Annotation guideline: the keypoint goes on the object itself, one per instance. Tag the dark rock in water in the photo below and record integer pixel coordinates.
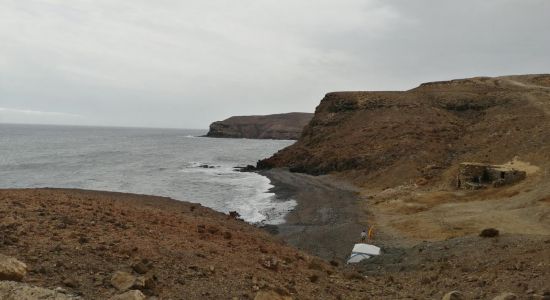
(248, 168)
(205, 166)
(489, 233)
(279, 126)
(235, 215)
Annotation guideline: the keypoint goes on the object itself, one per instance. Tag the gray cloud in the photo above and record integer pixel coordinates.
(175, 63)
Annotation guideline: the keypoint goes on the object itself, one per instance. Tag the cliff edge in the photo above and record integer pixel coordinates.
(279, 126)
(392, 138)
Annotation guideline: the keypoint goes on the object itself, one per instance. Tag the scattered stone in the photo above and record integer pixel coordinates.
(11, 268)
(489, 233)
(10, 290)
(270, 295)
(454, 295)
(506, 296)
(72, 283)
(142, 267)
(314, 278)
(270, 263)
(123, 281)
(130, 295)
(213, 229)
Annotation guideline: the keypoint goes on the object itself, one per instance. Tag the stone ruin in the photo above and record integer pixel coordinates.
(473, 176)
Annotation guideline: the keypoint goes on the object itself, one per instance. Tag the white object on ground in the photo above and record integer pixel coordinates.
(355, 258)
(362, 251)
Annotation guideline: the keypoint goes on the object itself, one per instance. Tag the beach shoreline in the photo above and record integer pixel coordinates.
(325, 221)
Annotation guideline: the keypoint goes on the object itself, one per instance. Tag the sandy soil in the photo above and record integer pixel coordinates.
(409, 214)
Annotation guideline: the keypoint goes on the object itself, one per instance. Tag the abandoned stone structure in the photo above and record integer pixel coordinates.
(477, 175)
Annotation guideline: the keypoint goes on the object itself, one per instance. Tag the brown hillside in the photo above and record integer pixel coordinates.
(280, 126)
(392, 138)
(79, 240)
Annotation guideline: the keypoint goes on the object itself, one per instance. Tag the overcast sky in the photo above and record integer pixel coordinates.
(186, 63)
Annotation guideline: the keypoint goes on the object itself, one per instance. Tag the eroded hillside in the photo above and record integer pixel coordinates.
(404, 150)
(392, 138)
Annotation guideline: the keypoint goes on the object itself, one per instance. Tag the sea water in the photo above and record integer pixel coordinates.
(165, 162)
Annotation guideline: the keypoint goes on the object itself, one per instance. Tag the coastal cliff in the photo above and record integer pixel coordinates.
(421, 133)
(279, 126)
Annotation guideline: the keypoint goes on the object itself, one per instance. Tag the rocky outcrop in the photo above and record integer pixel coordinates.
(392, 138)
(279, 127)
(11, 268)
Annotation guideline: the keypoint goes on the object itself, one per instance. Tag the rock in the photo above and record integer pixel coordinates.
(130, 295)
(454, 295)
(72, 283)
(248, 168)
(11, 268)
(123, 281)
(142, 267)
(270, 295)
(489, 233)
(270, 263)
(506, 296)
(10, 290)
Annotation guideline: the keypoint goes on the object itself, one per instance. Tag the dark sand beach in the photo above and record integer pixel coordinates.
(325, 221)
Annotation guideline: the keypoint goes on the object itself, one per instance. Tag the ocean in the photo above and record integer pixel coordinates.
(166, 162)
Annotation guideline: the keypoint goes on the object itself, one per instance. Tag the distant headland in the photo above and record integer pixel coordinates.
(287, 126)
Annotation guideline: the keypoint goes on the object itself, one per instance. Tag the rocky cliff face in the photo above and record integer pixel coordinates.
(420, 133)
(280, 126)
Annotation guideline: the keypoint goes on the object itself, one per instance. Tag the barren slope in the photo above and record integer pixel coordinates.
(78, 239)
(403, 149)
(391, 138)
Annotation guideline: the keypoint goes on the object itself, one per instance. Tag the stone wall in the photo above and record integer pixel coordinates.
(478, 175)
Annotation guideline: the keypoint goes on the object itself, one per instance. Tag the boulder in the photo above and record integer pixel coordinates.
(11, 268)
(130, 295)
(489, 233)
(454, 295)
(70, 282)
(506, 296)
(10, 290)
(270, 295)
(123, 281)
(142, 266)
